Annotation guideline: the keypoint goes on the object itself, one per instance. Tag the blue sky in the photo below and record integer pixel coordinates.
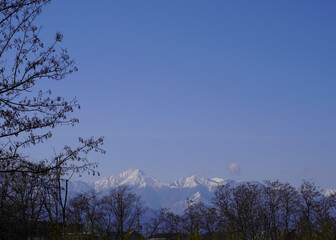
(193, 87)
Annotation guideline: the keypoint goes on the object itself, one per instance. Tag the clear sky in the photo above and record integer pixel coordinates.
(243, 90)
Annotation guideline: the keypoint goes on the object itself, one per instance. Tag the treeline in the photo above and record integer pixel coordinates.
(38, 207)
(33, 207)
(272, 211)
(33, 196)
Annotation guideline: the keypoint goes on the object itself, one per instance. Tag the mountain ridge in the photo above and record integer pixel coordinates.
(136, 177)
(154, 193)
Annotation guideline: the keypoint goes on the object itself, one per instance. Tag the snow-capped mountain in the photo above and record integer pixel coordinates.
(131, 177)
(196, 181)
(329, 192)
(155, 193)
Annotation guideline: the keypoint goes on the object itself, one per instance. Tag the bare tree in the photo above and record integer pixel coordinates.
(325, 224)
(310, 197)
(209, 224)
(124, 210)
(240, 210)
(192, 218)
(155, 224)
(29, 113)
(200, 220)
(288, 209)
(21, 205)
(85, 210)
(272, 210)
(223, 203)
(6, 206)
(172, 222)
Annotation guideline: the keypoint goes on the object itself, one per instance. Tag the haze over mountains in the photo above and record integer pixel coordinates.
(154, 193)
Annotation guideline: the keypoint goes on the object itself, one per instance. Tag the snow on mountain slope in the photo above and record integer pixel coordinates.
(131, 177)
(195, 181)
(329, 192)
(196, 197)
(156, 194)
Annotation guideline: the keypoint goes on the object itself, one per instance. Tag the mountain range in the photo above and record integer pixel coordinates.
(156, 194)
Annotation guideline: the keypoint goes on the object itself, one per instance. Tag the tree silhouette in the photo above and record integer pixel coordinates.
(124, 210)
(28, 114)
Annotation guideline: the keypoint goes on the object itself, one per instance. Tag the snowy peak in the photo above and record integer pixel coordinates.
(156, 194)
(131, 177)
(136, 178)
(218, 180)
(133, 173)
(329, 192)
(189, 182)
(195, 181)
